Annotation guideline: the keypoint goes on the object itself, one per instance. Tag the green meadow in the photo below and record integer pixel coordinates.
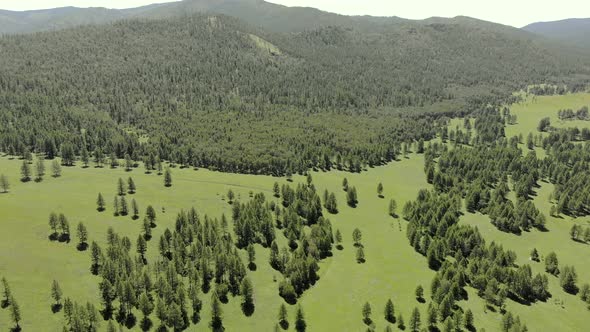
(30, 261)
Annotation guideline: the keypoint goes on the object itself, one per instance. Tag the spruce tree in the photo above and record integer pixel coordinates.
(131, 188)
(367, 313)
(25, 171)
(167, 178)
(283, 317)
(389, 311)
(415, 321)
(100, 205)
(56, 293)
(56, 168)
(300, 324)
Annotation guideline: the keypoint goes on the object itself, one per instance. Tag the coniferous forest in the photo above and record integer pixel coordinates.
(175, 169)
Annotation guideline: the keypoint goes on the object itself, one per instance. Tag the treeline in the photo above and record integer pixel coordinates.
(569, 114)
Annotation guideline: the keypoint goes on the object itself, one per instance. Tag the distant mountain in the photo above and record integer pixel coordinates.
(574, 31)
(255, 12)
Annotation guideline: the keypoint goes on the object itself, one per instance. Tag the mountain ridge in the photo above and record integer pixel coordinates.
(573, 31)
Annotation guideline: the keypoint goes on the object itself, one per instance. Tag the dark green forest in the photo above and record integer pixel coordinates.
(211, 91)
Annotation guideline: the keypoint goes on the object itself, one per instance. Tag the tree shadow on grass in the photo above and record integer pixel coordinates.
(56, 307)
(146, 324)
(16, 329)
(4, 304)
(284, 325)
(248, 309)
(82, 246)
(252, 266)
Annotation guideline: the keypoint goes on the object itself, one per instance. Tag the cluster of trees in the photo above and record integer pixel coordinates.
(198, 256)
(579, 233)
(547, 89)
(566, 166)
(433, 231)
(60, 227)
(569, 114)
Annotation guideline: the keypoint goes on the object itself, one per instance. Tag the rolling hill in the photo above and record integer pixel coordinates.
(574, 31)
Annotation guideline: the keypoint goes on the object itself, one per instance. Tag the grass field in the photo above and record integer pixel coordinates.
(30, 261)
(534, 108)
(392, 270)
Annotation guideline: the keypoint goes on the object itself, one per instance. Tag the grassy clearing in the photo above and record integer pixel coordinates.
(534, 108)
(30, 261)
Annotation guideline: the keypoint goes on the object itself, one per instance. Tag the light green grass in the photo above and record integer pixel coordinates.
(30, 261)
(533, 108)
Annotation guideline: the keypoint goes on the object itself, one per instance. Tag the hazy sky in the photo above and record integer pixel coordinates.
(511, 12)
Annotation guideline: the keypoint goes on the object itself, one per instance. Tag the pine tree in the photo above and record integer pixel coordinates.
(400, 322)
(367, 313)
(56, 293)
(247, 292)
(392, 208)
(276, 190)
(131, 189)
(135, 209)
(100, 205)
(82, 233)
(141, 247)
(15, 313)
(351, 197)
(251, 257)
(6, 292)
(338, 239)
(380, 189)
(345, 184)
(415, 321)
(432, 316)
(300, 324)
(167, 178)
(357, 236)
(469, 319)
(53, 222)
(360, 255)
(147, 229)
(230, 196)
(123, 208)
(145, 305)
(56, 168)
(85, 156)
(128, 163)
(25, 171)
(40, 169)
(121, 187)
(283, 317)
(551, 263)
(116, 207)
(150, 214)
(216, 313)
(419, 293)
(389, 311)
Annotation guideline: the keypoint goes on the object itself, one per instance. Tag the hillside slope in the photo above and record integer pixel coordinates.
(573, 31)
(255, 12)
(218, 86)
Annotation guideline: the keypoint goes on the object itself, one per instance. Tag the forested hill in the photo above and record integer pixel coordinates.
(574, 31)
(213, 91)
(255, 12)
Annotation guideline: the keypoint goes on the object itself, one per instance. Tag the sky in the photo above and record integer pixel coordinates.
(516, 13)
